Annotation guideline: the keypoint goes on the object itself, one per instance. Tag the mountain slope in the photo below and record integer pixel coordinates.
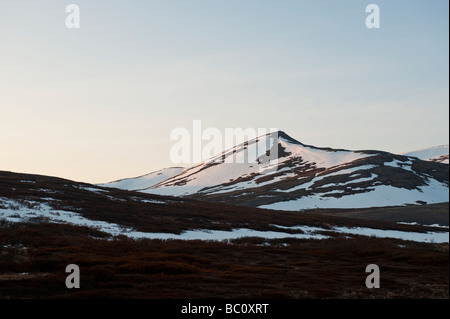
(108, 212)
(144, 181)
(289, 175)
(232, 171)
(438, 154)
(47, 223)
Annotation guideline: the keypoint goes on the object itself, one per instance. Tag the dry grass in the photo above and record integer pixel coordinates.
(124, 268)
(37, 253)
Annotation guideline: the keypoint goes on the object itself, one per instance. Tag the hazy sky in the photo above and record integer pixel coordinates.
(98, 103)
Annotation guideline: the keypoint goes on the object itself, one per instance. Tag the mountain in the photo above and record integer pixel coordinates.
(438, 154)
(37, 199)
(26, 198)
(144, 181)
(289, 175)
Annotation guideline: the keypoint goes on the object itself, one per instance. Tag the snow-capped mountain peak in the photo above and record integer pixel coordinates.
(276, 171)
(265, 159)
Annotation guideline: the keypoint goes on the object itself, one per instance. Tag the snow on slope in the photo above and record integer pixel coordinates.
(14, 212)
(288, 175)
(144, 181)
(215, 171)
(321, 157)
(363, 188)
(436, 154)
(213, 175)
(379, 196)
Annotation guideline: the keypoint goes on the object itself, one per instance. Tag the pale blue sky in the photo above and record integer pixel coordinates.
(98, 103)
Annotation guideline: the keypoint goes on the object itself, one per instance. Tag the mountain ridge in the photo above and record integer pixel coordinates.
(144, 181)
(438, 153)
(290, 175)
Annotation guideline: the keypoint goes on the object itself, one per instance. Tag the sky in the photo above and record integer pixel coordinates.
(98, 103)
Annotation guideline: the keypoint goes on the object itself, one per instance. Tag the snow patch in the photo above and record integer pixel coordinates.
(377, 196)
(430, 153)
(21, 213)
(145, 181)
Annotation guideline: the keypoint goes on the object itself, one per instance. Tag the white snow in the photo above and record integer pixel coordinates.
(435, 237)
(306, 229)
(326, 174)
(152, 201)
(207, 175)
(247, 184)
(322, 158)
(353, 181)
(13, 211)
(95, 190)
(211, 176)
(430, 153)
(20, 213)
(144, 200)
(432, 225)
(145, 181)
(399, 164)
(378, 196)
(219, 235)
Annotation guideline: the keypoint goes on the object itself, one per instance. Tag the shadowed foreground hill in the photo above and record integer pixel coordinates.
(36, 245)
(34, 257)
